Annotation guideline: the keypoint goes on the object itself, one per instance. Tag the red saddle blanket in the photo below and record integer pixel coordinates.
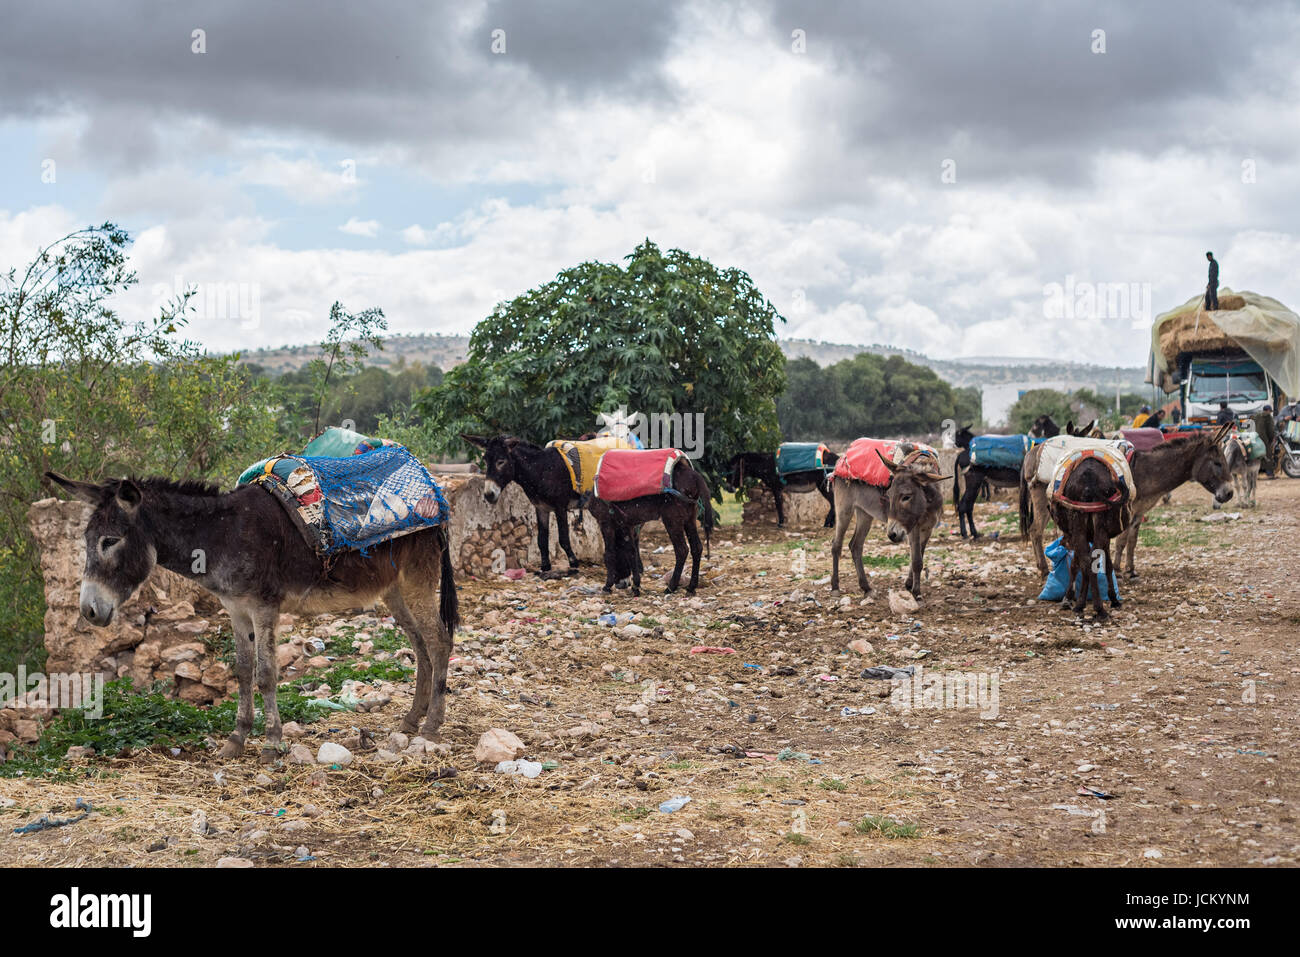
(861, 463)
(625, 474)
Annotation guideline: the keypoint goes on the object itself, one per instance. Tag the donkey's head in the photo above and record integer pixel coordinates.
(734, 479)
(1210, 467)
(913, 499)
(1044, 427)
(498, 461)
(119, 553)
(962, 437)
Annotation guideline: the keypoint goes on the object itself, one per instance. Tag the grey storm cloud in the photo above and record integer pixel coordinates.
(1008, 90)
(1019, 90)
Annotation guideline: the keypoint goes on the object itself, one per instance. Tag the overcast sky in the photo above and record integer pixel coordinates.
(914, 174)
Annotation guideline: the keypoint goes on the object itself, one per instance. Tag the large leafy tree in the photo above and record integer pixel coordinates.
(666, 333)
(86, 392)
(870, 395)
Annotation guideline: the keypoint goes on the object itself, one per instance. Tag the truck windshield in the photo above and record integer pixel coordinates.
(1220, 385)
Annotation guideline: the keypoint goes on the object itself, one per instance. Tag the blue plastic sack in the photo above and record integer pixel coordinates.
(1054, 588)
(999, 451)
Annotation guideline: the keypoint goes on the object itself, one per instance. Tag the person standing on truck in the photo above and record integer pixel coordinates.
(1225, 416)
(1266, 429)
(1212, 287)
(1140, 419)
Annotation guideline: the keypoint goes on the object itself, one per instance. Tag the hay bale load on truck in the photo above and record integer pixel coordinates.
(1245, 353)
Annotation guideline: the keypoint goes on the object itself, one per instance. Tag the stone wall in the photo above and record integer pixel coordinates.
(159, 634)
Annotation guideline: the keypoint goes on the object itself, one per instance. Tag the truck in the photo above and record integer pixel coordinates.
(1245, 353)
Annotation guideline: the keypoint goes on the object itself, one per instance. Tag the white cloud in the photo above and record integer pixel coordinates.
(368, 228)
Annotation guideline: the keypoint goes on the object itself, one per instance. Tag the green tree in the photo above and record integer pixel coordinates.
(1038, 402)
(870, 395)
(668, 333)
(350, 338)
(89, 394)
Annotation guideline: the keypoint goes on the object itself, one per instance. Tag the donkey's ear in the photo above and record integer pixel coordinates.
(128, 496)
(476, 440)
(888, 464)
(85, 491)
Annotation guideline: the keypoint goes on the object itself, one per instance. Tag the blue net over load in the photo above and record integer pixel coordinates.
(354, 502)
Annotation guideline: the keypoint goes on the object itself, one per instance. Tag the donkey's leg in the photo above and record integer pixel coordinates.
(245, 645)
(693, 537)
(680, 550)
(1101, 552)
(421, 594)
(843, 514)
(919, 538)
(775, 488)
(1128, 542)
(268, 677)
(544, 534)
(860, 529)
(824, 487)
(1039, 495)
(562, 526)
(966, 508)
(637, 566)
(423, 665)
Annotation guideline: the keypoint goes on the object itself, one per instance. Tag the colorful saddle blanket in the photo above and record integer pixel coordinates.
(1057, 447)
(1115, 461)
(625, 474)
(1000, 451)
(1144, 440)
(800, 457)
(353, 502)
(582, 457)
(861, 462)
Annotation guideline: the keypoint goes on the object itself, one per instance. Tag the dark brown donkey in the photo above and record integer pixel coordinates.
(257, 563)
(761, 466)
(620, 526)
(910, 506)
(1090, 509)
(543, 476)
(1167, 466)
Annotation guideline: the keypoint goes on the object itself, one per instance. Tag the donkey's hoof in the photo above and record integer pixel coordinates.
(269, 755)
(835, 593)
(231, 749)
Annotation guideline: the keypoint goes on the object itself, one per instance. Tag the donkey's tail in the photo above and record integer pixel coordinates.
(449, 602)
(1026, 508)
(706, 500)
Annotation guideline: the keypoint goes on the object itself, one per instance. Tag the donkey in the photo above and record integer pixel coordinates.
(258, 565)
(1243, 469)
(1155, 472)
(910, 506)
(1167, 466)
(1044, 427)
(762, 466)
(981, 477)
(1090, 512)
(543, 476)
(620, 527)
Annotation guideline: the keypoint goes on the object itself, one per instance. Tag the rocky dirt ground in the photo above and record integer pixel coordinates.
(1182, 710)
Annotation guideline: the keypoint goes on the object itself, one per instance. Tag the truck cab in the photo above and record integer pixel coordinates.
(1208, 380)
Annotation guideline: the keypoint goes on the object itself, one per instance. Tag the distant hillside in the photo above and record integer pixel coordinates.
(447, 351)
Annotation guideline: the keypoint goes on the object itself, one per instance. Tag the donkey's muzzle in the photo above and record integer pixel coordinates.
(97, 606)
(896, 533)
(1223, 494)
